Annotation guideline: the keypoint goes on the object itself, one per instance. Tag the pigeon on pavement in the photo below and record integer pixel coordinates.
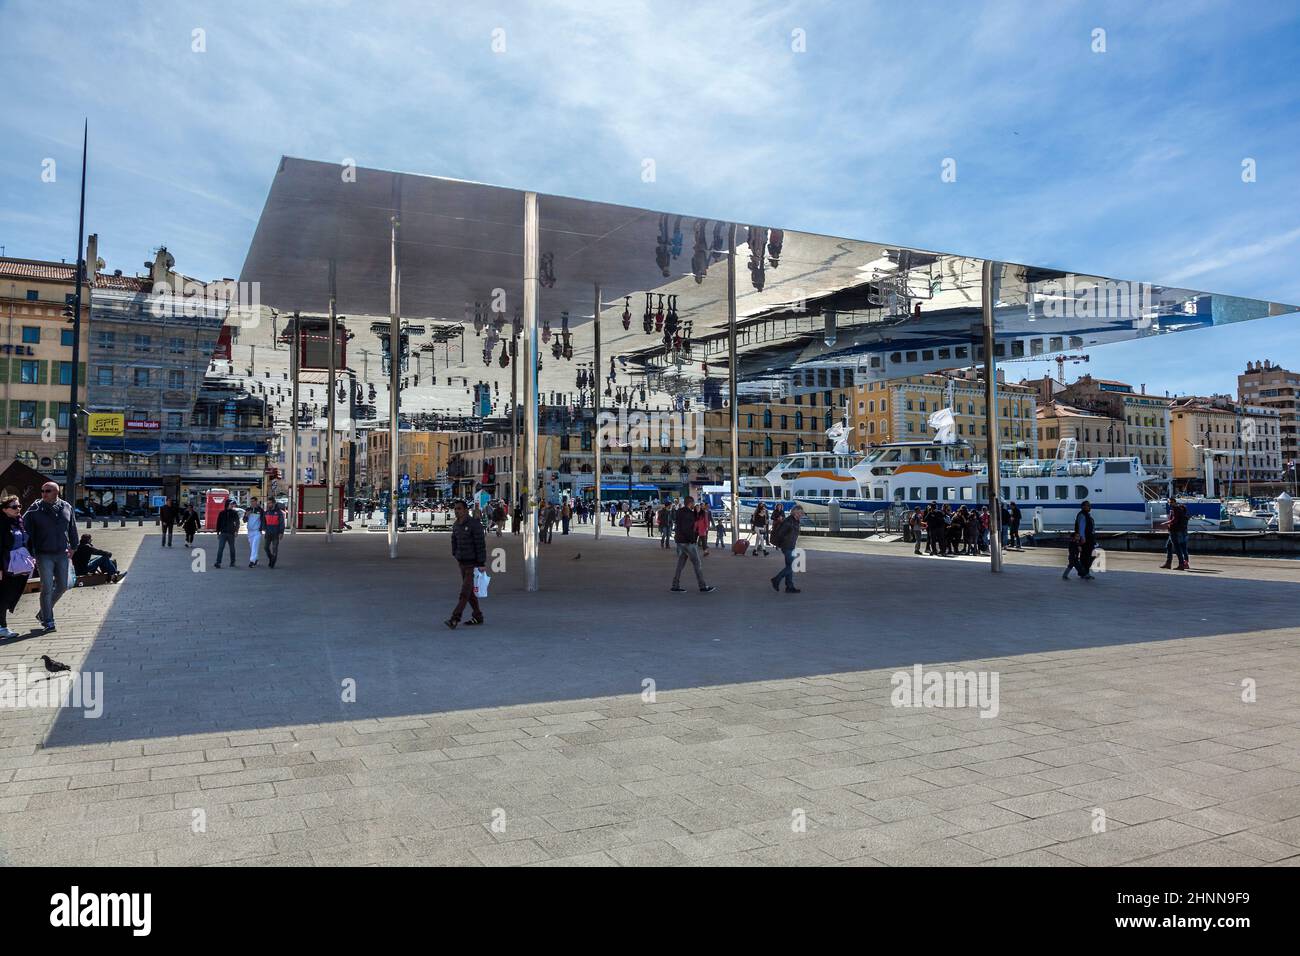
(54, 666)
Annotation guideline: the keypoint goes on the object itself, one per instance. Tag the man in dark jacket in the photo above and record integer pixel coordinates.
(52, 530)
(936, 531)
(685, 537)
(469, 548)
(784, 538)
(167, 517)
(1176, 522)
(1083, 539)
(88, 559)
(227, 528)
(273, 530)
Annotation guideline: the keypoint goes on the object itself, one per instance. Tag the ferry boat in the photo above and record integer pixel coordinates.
(907, 474)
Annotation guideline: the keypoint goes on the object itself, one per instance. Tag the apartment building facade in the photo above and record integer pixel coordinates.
(1267, 385)
(900, 409)
(36, 338)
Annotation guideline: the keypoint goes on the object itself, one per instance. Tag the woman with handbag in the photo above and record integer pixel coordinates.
(16, 562)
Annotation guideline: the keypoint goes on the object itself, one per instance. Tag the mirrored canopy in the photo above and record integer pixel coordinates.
(813, 311)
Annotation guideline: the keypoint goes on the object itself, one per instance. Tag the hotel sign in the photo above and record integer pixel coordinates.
(104, 425)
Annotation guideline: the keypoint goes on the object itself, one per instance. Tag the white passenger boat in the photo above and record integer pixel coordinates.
(1123, 494)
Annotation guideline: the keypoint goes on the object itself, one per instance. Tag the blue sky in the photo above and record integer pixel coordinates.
(1125, 163)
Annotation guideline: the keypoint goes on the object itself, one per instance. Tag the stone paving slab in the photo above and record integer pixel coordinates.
(767, 736)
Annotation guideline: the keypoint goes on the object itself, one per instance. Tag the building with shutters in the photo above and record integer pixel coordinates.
(185, 428)
(36, 360)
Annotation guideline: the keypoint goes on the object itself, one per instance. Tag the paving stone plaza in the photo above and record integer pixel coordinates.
(321, 714)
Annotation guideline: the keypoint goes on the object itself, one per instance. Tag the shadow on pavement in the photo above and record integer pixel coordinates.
(238, 649)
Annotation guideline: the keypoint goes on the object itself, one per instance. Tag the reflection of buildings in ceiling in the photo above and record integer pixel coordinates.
(461, 247)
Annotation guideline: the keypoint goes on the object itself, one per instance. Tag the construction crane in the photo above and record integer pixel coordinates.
(1072, 359)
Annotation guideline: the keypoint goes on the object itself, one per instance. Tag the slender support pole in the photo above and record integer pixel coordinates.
(394, 382)
(597, 393)
(528, 355)
(330, 468)
(293, 424)
(992, 271)
(734, 418)
(74, 406)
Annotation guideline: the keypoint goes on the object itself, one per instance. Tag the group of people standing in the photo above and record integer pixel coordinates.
(262, 524)
(44, 540)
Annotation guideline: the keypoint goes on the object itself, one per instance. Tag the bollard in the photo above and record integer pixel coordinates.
(833, 516)
(1285, 514)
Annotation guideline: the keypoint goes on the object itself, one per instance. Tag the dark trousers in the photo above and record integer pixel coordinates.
(272, 545)
(189, 536)
(467, 595)
(11, 589)
(100, 563)
(226, 538)
(1176, 546)
(167, 534)
(786, 572)
(1080, 558)
(1015, 534)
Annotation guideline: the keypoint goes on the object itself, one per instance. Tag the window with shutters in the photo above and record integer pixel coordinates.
(30, 372)
(26, 414)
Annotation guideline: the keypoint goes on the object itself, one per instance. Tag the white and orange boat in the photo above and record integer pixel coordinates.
(1123, 494)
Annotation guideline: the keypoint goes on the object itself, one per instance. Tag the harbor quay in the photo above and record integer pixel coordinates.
(899, 710)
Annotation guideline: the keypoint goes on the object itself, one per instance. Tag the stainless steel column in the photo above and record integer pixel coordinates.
(394, 381)
(329, 416)
(513, 500)
(988, 294)
(528, 355)
(596, 394)
(293, 426)
(731, 376)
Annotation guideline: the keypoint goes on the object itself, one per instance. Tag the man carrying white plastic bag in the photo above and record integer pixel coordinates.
(469, 548)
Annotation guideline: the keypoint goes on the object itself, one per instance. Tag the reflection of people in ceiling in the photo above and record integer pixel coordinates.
(661, 247)
(775, 239)
(757, 242)
(700, 252)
